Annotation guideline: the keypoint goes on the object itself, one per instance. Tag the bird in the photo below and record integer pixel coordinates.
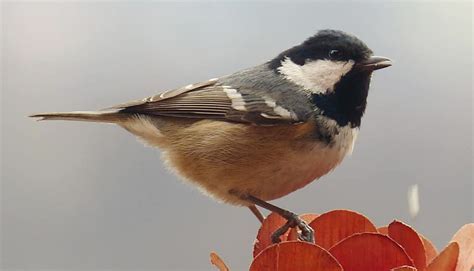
(260, 133)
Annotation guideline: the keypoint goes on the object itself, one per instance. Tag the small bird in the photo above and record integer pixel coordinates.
(261, 133)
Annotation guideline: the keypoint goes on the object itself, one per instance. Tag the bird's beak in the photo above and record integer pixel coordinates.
(374, 63)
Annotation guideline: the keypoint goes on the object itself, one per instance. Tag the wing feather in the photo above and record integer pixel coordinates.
(213, 100)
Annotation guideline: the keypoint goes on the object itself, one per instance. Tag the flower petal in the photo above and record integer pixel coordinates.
(218, 262)
(383, 230)
(430, 250)
(295, 255)
(465, 238)
(271, 223)
(446, 260)
(404, 268)
(333, 226)
(409, 239)
(370, 251)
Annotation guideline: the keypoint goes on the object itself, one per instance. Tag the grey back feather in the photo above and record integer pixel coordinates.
(257, 95)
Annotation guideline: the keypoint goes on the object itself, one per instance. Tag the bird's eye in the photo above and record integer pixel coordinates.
(335, 54)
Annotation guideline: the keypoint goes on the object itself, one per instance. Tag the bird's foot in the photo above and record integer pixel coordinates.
(307, 233)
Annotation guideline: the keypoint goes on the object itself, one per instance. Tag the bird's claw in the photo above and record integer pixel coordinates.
(307, 233)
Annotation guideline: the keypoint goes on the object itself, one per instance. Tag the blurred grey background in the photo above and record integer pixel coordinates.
(82, 196)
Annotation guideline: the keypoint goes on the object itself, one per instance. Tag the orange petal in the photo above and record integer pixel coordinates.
(293, 234)
(465, 238)
(370, 251)
(446, 260)
(218, 262)
(308, 217)
(294, 255)
(271, 223)
(430, 249)
(333, 226)
(383, 230)
(409, 239)
(404, 268)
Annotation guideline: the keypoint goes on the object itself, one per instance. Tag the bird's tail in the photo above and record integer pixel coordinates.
(92, 116)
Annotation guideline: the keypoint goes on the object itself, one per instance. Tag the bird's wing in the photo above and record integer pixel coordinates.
(213, 100)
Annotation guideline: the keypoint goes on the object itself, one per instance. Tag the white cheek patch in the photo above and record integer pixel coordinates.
(317, 76)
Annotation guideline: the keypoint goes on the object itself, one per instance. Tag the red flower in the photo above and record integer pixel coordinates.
(348, 241)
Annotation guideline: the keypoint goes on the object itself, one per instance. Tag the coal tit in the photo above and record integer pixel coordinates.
(263, 132)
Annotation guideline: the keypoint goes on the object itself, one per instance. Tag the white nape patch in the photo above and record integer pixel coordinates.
(413, 201)
(278, 110)
(317, 76)
(236, 98)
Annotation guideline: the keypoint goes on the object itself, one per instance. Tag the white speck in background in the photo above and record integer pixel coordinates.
(413, 200)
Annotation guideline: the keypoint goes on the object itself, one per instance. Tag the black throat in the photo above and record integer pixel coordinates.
(346, 104)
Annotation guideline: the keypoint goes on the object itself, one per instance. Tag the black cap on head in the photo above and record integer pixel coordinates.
(326, 44)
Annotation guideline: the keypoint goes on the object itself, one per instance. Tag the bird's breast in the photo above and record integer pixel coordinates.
(267, 162)
(301, 166)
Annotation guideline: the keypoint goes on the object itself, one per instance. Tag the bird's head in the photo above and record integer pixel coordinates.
(320, 62)
(334, 67)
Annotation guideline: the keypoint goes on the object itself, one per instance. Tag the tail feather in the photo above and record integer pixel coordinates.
(92, 116)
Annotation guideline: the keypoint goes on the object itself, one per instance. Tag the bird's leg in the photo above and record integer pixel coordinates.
(307, 233)
(257, 213)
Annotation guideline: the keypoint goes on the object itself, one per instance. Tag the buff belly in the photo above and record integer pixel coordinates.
(222, 157)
